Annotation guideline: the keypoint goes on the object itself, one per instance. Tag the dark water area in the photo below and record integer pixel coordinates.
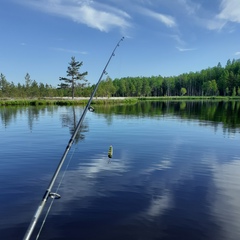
(174, 172)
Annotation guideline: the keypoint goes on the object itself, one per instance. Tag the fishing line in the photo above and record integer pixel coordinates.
(53, 198)
(48, 193)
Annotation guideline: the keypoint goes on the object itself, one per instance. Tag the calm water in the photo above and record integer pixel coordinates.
(175, 171)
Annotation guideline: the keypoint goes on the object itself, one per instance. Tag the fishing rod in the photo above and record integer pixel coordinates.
(48, 192)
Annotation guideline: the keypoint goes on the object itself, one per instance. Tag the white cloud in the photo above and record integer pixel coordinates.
(185, 49)
(169, 21)
(215, 24)
(230, 10)
(178, 39)
(212, 19)
(190, 7)
(200, 16)
(237, 53)
(94, 15)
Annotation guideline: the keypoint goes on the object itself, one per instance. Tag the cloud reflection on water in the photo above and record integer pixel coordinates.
(83, 181)
(187, 176)
(178, 180)
(227, 208)
(159, 204)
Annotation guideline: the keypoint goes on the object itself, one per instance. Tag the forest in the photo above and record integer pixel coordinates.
(214, 81)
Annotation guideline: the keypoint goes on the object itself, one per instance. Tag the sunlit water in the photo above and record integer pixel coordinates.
(174, 173)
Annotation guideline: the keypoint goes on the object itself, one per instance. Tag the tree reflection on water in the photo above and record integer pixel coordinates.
(70, 119)
(214, 112)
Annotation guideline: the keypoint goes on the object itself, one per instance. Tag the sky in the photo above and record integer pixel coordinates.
(161, 37)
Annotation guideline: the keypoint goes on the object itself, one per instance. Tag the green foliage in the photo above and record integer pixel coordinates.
(209, 82)
(73, 73)
(234, 93)
(238, 91)
(4, 87)
(183, 91)
(106, 88)
(210, 88)
(216, 81)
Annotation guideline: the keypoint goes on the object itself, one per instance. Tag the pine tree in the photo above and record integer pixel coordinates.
(73, 73)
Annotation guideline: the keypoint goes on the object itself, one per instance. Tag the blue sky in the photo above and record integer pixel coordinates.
(162, 37)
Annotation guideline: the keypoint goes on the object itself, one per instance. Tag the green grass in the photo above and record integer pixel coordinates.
(115, 101)
(63, 102)
(37, 102)
(187, 98)
(108, 101)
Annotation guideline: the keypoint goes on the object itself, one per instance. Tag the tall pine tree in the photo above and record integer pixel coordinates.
(74, 75)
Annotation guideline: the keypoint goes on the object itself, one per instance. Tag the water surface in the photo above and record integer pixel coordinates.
(174, 172)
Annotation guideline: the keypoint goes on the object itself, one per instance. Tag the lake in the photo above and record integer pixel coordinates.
(174, 173)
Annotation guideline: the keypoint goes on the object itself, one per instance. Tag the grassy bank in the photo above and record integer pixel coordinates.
(104, 101)
(65, 102)
(190, 98)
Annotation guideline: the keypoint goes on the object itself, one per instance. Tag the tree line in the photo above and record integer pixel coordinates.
(215, 81)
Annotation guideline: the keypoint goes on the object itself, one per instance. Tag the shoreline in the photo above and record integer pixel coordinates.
(106, 100)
